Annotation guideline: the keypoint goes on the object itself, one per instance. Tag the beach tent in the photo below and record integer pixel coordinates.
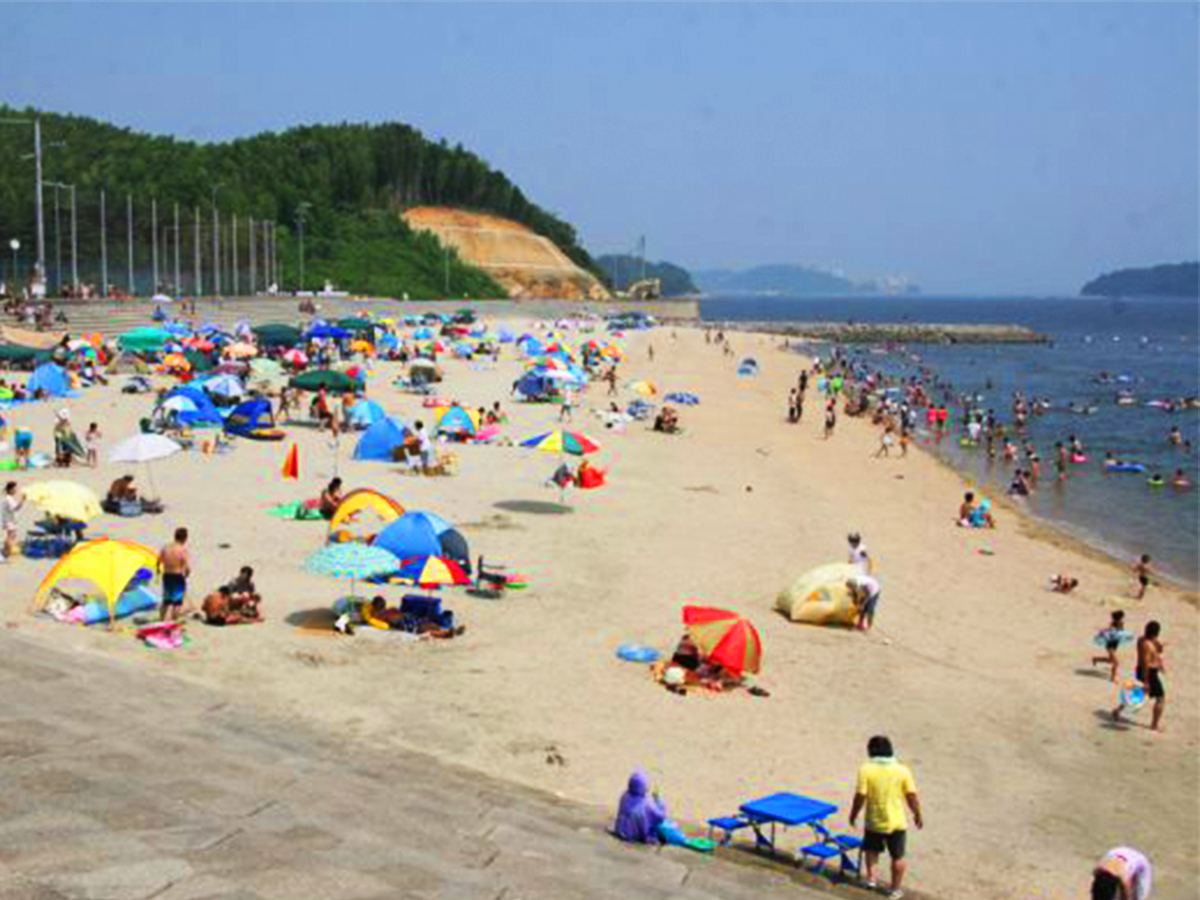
(456, 420)
(250, 416)
(380, 441)
(127, 364)
(748, 367)
(108, 563)
(366, 413)
(534, 385)
(820, 597)
(49, 378)
(144, 340)
(364, 500)
(206, 410)
(424, 534)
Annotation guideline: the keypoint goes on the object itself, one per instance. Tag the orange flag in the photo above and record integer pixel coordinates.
(291, 465)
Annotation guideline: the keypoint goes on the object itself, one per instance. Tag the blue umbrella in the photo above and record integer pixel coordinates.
(352, 560)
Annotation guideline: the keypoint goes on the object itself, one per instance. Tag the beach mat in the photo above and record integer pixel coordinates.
(296, 510)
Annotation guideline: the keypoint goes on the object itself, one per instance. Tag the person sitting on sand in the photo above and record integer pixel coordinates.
(1123, 874)
(687, 654)
(640, 812)
(120, 492)
(218, 609)
(244, 598)
(1063, 584)
(971, 515)
(331, 498)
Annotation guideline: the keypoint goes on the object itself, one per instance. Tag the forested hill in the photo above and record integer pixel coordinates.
(622, 270)
(1170, 280)
(347, 181)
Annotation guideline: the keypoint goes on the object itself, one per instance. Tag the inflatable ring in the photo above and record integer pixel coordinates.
(1103, 636)
(1133, 695)
(638, 654)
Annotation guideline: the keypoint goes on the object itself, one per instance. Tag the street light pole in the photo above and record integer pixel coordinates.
(301, 214)
(103, 247)
(253, 254)
(57, 242)
(216, 242)
(197, 282)
(233, 260)
(154, 244)
(129, 242)
(178, 285)
(74, 247)
(15, 245)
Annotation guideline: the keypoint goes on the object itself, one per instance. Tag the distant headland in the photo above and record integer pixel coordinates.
(796, 280)
(1168, 280)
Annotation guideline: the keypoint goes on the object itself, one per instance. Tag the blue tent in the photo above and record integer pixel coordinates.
(533, 386)
(748, 366)
(327, 331)
(424, 534)
(250, 416)
(366, 413)
(206, 410)
(49, 378)
(380, 440)
(388, 341)
(456, 421)
(422, 334)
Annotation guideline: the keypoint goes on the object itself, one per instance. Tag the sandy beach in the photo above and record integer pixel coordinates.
(976, 670)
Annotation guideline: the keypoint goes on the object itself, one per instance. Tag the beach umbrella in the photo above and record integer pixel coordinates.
(352, 560)
(575, 443)
(180, 404)
(145, 448)
(64, 499)
(645, 388)
(724, 637)
(295, 357)
(323, 378)
(229, 386)
(241, 350)
(431, 571)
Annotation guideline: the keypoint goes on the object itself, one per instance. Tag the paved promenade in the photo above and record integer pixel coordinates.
(113, 787)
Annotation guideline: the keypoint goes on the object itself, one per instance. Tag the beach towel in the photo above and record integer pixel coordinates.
(298, 510)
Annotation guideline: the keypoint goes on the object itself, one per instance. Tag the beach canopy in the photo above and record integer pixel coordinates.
(107, 563)
(820, 597)
(575, 443)
(276, 334)
(64, 499)
(49, 378)
(424, 534)
(366, 413)
(329, 379)
(379, 441)
(456, 420)
(144, 340)
(724, 637)
(250, 416)
(365, 500)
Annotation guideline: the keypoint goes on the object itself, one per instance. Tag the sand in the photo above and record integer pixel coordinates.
(979, 674)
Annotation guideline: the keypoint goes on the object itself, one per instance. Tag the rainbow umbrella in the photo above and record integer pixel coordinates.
(724, 637)
(575, 443)
(431, 571)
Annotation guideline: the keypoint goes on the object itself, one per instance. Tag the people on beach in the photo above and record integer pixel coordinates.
(243, 595)
(1063, 584)
(858, 554)
(331, 498)
(864, 592)
(830, 419)
(886, 440)
(1111, 636)
(1122, 874)
(174, 564)
(640, 812)
(1149, 672)
(91, 440)
(974, 515)
(885, 787)
(10, 506)
(1141, 571)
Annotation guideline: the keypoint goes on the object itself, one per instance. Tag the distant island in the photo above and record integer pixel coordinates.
(784, 278)
(623, 270)
(1169, 280)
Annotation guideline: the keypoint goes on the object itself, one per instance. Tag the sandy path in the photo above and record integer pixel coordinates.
(977, 673)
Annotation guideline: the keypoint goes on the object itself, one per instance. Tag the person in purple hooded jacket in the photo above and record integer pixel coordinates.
(640, 812)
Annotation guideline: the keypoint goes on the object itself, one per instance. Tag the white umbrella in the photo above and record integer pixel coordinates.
(144, 448)
(180, 404)
(161, 298)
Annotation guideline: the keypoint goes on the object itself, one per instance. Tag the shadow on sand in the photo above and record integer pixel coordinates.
(534, 507)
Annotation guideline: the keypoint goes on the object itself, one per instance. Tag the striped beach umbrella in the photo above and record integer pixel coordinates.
(431, 571)
(575, 443)
(352, 560)
(724, 637)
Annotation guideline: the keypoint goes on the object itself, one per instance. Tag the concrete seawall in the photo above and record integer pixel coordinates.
(894, 333)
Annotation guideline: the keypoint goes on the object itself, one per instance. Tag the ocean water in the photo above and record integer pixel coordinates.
(1153, 344)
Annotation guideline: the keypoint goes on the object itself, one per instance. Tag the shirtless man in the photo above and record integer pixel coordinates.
(175, 566)
(1150, 666)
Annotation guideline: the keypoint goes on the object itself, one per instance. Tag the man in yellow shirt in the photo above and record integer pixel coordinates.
(885, 787)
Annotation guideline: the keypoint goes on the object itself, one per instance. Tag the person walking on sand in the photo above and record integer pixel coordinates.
(1141, 571)
(1112, 640)
(1150, 666)
(830, 419)
(1123, 874)
(885, 441)
(565, 411)
(10, 505)
(885, 786)
(175, 565)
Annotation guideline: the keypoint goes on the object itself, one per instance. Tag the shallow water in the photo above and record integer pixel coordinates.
(1154, 342)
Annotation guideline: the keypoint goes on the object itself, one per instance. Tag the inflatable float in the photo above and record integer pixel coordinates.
(1125, 468)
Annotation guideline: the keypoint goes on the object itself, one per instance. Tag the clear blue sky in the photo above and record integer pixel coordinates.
(1017, 148)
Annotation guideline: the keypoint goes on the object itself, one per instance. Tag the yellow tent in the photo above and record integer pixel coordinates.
(820, 597)
(439, 413)
(108, 563)
(363, 500)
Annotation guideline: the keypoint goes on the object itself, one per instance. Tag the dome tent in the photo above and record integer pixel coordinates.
(379, 442)
(424, 534)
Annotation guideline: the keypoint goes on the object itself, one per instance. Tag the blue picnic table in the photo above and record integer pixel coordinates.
(789, 810)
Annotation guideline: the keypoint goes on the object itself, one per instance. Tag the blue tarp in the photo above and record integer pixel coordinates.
(51, 379)
(248, 416)
(380, 440)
